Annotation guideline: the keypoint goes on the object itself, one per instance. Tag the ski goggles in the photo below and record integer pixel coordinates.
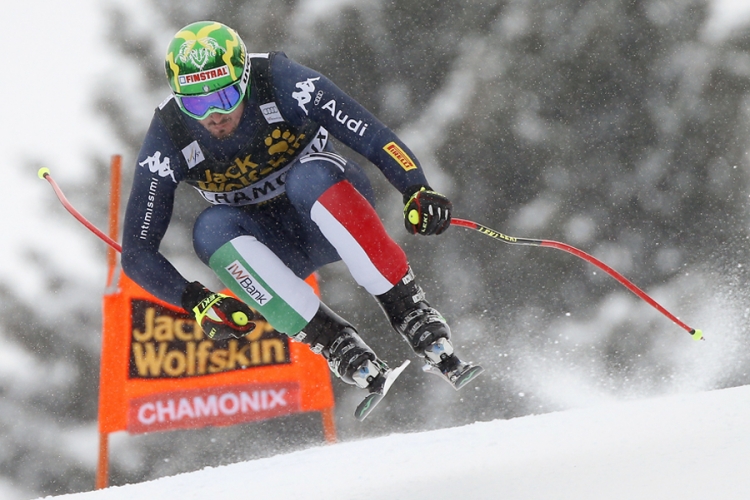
(221, 101)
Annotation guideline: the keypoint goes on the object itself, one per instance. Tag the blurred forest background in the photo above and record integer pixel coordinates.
(617, 126)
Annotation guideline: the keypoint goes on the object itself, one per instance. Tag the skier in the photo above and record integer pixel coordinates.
(251, 132)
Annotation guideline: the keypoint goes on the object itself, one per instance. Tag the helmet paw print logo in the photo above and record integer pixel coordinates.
(280, 142)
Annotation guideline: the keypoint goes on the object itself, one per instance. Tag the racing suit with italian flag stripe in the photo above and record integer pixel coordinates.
(282, 201)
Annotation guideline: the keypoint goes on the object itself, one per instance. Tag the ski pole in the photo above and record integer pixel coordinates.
(44, 174)
(696, 334)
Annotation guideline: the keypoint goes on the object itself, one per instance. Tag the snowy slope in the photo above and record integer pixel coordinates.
(680, 447)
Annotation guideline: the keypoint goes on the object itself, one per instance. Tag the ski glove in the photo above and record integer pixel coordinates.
(425, 211)
(219, 316)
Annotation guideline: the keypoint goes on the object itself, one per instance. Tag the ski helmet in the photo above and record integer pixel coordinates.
(205, 57)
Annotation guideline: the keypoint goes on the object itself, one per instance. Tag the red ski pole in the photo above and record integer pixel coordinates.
(44, 174)
(696, 334)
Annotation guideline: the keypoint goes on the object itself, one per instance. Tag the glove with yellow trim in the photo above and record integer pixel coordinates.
(425, 211)
(219, 316)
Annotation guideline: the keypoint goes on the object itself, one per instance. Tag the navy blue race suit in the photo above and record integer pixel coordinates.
(247, 186)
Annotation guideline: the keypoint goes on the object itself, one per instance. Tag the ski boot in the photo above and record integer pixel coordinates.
(426, 331)
(443, 362)
(349, 357)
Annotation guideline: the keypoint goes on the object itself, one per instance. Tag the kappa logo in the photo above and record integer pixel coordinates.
(304, 96)
(157, 166)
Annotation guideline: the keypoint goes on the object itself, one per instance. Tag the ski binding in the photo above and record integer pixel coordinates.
(373, 398)
(459, 376)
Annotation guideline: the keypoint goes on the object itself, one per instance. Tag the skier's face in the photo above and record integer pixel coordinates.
(223, 125)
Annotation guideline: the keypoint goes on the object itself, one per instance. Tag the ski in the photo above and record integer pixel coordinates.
(459, 376)
(373, 398)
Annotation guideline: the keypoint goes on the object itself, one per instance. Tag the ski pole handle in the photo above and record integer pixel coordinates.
(696, 334)
(44, 173)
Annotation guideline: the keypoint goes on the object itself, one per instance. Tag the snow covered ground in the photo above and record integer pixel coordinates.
(682, 447)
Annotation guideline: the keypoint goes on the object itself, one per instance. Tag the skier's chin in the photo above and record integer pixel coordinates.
(223, 125)
(222, 131)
